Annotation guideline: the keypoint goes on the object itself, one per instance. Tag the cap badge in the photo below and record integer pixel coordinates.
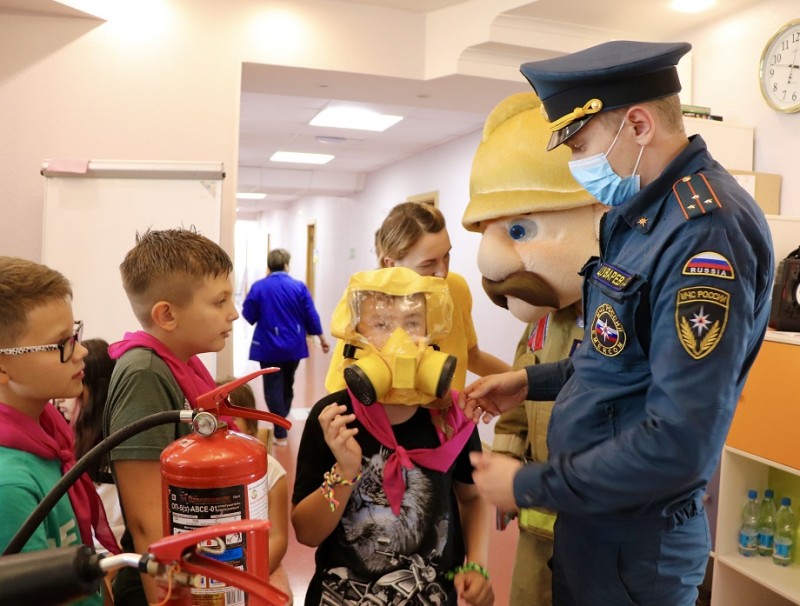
(592, 106)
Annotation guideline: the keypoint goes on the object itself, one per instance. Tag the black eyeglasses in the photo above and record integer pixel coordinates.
(66, 347)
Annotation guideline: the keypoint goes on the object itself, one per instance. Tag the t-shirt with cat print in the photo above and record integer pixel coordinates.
(373, 556)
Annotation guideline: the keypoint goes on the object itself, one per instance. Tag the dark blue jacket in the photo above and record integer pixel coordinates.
(284, 313)
(675, 308)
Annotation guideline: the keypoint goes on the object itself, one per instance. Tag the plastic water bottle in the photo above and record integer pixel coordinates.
(766, 523)
(748, 531)
(784, 534)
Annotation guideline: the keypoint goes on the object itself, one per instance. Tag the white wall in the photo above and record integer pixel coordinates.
(726, 60)
(160, 80)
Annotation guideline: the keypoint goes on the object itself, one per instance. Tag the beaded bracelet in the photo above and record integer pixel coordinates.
(333, 478)
(466, 568)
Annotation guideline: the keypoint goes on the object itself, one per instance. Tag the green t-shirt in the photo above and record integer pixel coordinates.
(141, 385)
(25, 481)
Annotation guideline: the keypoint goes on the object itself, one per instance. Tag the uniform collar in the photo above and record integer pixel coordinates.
(642, 211)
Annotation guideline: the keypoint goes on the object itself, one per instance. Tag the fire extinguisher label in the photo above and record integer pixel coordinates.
(192, 508)
(258, 499)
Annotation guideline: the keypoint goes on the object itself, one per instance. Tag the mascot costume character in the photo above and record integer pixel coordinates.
(538, 229)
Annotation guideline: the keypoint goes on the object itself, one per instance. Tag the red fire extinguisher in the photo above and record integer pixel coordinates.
(213, 476)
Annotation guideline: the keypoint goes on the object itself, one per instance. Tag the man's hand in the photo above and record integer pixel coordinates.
(494, 394)
(494, 477)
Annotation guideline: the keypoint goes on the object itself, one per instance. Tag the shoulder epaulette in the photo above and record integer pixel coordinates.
(695, 196)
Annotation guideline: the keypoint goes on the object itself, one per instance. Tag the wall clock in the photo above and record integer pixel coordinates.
(779, 72)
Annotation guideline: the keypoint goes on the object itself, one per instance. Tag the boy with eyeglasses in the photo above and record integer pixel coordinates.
(41, 359)
(179, 287)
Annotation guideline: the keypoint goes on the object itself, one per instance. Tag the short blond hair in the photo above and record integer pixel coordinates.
(667, 109)
(403, 227)
(25, 285)
(169, 265)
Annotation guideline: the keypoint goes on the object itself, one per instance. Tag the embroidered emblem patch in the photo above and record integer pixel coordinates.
(538, 334)
(608, 334)
(613, 277)
(709, 263)
(701, 315)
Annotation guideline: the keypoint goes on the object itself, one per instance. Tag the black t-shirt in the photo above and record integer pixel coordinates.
(372, 552)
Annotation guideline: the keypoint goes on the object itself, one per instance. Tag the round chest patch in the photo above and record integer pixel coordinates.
(608, 334)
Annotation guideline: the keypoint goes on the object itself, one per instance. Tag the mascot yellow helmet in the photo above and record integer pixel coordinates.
(512, 171)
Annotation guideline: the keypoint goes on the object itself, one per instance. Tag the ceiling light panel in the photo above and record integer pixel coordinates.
(301, 157)
(354, 118)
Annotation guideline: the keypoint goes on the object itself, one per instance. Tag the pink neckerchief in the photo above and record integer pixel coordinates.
(374, 419)
(51, 438)
(193, 377)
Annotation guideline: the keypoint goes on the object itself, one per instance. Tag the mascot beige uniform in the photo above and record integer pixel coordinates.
(538, 228)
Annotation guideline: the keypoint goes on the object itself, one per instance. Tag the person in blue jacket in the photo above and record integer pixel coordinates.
(284, 314)
(675, 309)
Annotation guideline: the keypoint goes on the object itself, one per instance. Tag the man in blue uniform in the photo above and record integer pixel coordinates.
(676, 306)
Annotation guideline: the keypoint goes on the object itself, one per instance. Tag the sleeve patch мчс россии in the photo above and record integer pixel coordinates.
(701, 315)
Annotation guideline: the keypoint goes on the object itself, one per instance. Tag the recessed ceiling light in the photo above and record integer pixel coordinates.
(354, 118)
(330, 140)
(692, 6)
(301, 157)
(243, 195)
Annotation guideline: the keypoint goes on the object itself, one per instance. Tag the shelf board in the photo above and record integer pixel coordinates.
(762, 460)
(778, 336)
(782, 581)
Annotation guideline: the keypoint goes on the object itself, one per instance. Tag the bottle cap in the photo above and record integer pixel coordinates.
(786, 501)
(768, 493)
(752, 494)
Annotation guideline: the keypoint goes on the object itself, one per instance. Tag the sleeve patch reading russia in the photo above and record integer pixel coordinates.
(613, 277)
(701, 315)
(709, 263)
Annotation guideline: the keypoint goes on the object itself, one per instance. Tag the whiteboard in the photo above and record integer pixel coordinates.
(91, 219)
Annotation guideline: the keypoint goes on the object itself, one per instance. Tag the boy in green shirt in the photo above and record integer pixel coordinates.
(41, 358)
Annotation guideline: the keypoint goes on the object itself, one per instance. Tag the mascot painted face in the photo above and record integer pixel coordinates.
(539, 226)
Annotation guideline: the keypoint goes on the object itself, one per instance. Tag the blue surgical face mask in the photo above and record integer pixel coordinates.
(600, 180)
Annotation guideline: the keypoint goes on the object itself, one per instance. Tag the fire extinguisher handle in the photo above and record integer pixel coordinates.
(217, 400)
(255, 587)
(183, 548)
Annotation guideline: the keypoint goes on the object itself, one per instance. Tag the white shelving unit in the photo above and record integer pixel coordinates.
(757, 581)
(739, 580)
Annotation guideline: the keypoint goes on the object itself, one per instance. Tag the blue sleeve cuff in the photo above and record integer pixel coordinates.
(527, 485)
(546, 380)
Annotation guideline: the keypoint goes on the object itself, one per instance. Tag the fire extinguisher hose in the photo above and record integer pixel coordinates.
(68, 479)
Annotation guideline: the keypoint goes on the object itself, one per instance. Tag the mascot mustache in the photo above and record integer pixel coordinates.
(523, 285)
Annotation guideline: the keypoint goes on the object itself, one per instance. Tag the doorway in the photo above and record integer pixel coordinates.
(311, 261)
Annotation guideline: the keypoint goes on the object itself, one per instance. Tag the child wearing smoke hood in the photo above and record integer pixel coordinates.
(396, 514)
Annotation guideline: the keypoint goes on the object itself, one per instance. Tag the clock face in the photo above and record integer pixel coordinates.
(780, 69)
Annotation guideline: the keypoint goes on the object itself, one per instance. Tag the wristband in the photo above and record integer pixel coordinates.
(466, 568)
(333, 478)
